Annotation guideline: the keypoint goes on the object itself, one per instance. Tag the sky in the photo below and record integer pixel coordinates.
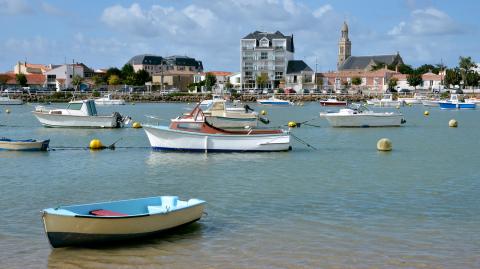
(108, 33)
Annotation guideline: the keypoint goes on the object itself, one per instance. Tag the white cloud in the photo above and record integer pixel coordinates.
(429, 21)
(14, 7)
(319, 12)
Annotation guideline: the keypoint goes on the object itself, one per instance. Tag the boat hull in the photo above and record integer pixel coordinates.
(433, 103)
(24, 146)
(109, 102)
(450, 105)
(231, 122)
(359, 120)
(385, 103)
(267, 102)
(410, 101)
(57, 120)
(327, 103)
(73, 230)
(11, 102)
(164, 138)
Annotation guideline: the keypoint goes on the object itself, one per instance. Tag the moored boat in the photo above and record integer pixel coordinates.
(363, 117)
(23, 145)
(416, 99)
(430, 102)
(333, 102)
(107, 100)
(193, 133)
(6, 100)
(274, 101)
(386, 101)
(216, 114)
(105, 222)
(79, 114)
(455, 103)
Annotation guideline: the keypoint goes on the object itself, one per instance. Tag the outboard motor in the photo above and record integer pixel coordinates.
(120, 121)
(263, 120)
(247, 108)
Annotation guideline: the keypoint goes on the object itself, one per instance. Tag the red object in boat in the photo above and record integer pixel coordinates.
(106, 213)
(333, 103)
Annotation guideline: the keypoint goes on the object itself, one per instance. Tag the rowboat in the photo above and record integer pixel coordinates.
(89, 224)
(416, 99)
(455, 103)
(333, 102)
(193, 133)
(6, 100)
(107, 100)
(81, 113)
(386, 101)
(274, 101)
(216, 114)
(23, 145)
(363, 117)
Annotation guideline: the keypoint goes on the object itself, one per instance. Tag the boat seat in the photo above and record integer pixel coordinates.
(106, 213)
(168, 203)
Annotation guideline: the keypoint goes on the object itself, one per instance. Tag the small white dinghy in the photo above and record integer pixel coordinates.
(23, 145)
(107, 100)
(105, 222)
(360, 116)
(6, 100)
(386, 101)
(216, 114)
(81, 114)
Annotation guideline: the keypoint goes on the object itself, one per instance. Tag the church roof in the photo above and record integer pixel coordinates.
(362, 62)
(257, 35)
(297, 66)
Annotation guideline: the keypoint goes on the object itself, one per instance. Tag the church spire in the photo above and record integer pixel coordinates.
(344, 45)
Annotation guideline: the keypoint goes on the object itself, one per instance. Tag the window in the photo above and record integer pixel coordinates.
(278, 75)
(264, 55)
(75, 106)
(189, 126)
(264, 42)
(364, 81)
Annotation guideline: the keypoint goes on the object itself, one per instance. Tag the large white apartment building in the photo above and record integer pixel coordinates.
(265, 53)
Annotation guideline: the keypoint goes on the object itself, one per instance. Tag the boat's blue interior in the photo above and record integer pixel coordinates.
(4, 139)
(129, 207)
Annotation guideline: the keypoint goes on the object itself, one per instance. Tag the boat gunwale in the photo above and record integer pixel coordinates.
(168, 129)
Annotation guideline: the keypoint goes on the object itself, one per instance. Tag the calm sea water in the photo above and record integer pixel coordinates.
(344, 205)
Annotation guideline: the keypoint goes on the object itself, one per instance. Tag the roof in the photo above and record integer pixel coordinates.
(257, 35)
(32, 79)
(183, 61)
(297, 66)
(219, 73)
(362, 62)
(146, 59)
(358, 73)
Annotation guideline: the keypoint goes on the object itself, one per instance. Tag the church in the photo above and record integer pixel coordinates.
(347, 62)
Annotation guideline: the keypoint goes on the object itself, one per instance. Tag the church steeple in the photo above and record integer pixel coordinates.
(344, 46)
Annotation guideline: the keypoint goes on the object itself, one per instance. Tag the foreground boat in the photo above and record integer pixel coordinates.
(386, 101)
(5, 100)
(107, 100)
(333, 102)
(89, 224)
(455, 103)
(274, 101)
(193, 133)
(23, 145)
(363, 117)
(78, 114)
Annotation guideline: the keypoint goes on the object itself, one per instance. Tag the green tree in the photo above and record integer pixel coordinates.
(425, 68)
(210, 81)
(405, 69)
(127, 70)
(97, 80)
(378, 66)
(21, 79)
(142, 77)
(76, 81)
(113, 71)
(466, 65)
(452, 77)
(392, 83)
(114, 80)
(262, 80)
(356, 81)
(414, 80)
(472, 78)
(228, 85)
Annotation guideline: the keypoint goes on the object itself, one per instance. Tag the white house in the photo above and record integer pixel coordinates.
(60, 78)
(299, 76)
(236, 80)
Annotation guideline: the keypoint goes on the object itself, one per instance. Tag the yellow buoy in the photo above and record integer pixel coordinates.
(7, 110)
(453, 123)
(136, 125)
(263, 112)
(292, 124)
(384, 144)
(426, 113)
(96, 144)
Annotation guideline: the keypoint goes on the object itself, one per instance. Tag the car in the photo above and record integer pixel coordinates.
(317, 91)
(404, 91)
(306, 91)
(290, 91)
(258, 91)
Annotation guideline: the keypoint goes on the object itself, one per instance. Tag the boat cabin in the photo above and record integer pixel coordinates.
(83, 108)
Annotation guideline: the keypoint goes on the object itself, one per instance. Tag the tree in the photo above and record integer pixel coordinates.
(472, 79)
(114, 80)
(76, 81)
(127, 70)
(452, 77)
(392, 83)
(21, 79)
(210, 81)
(97, 80)
(425, 68)
(142, 77)
(262, 80)
(228, 85)
(466, 65)
(378, 66)
(405, 69)
(414, 80)
(356, 81)
(113, 71)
